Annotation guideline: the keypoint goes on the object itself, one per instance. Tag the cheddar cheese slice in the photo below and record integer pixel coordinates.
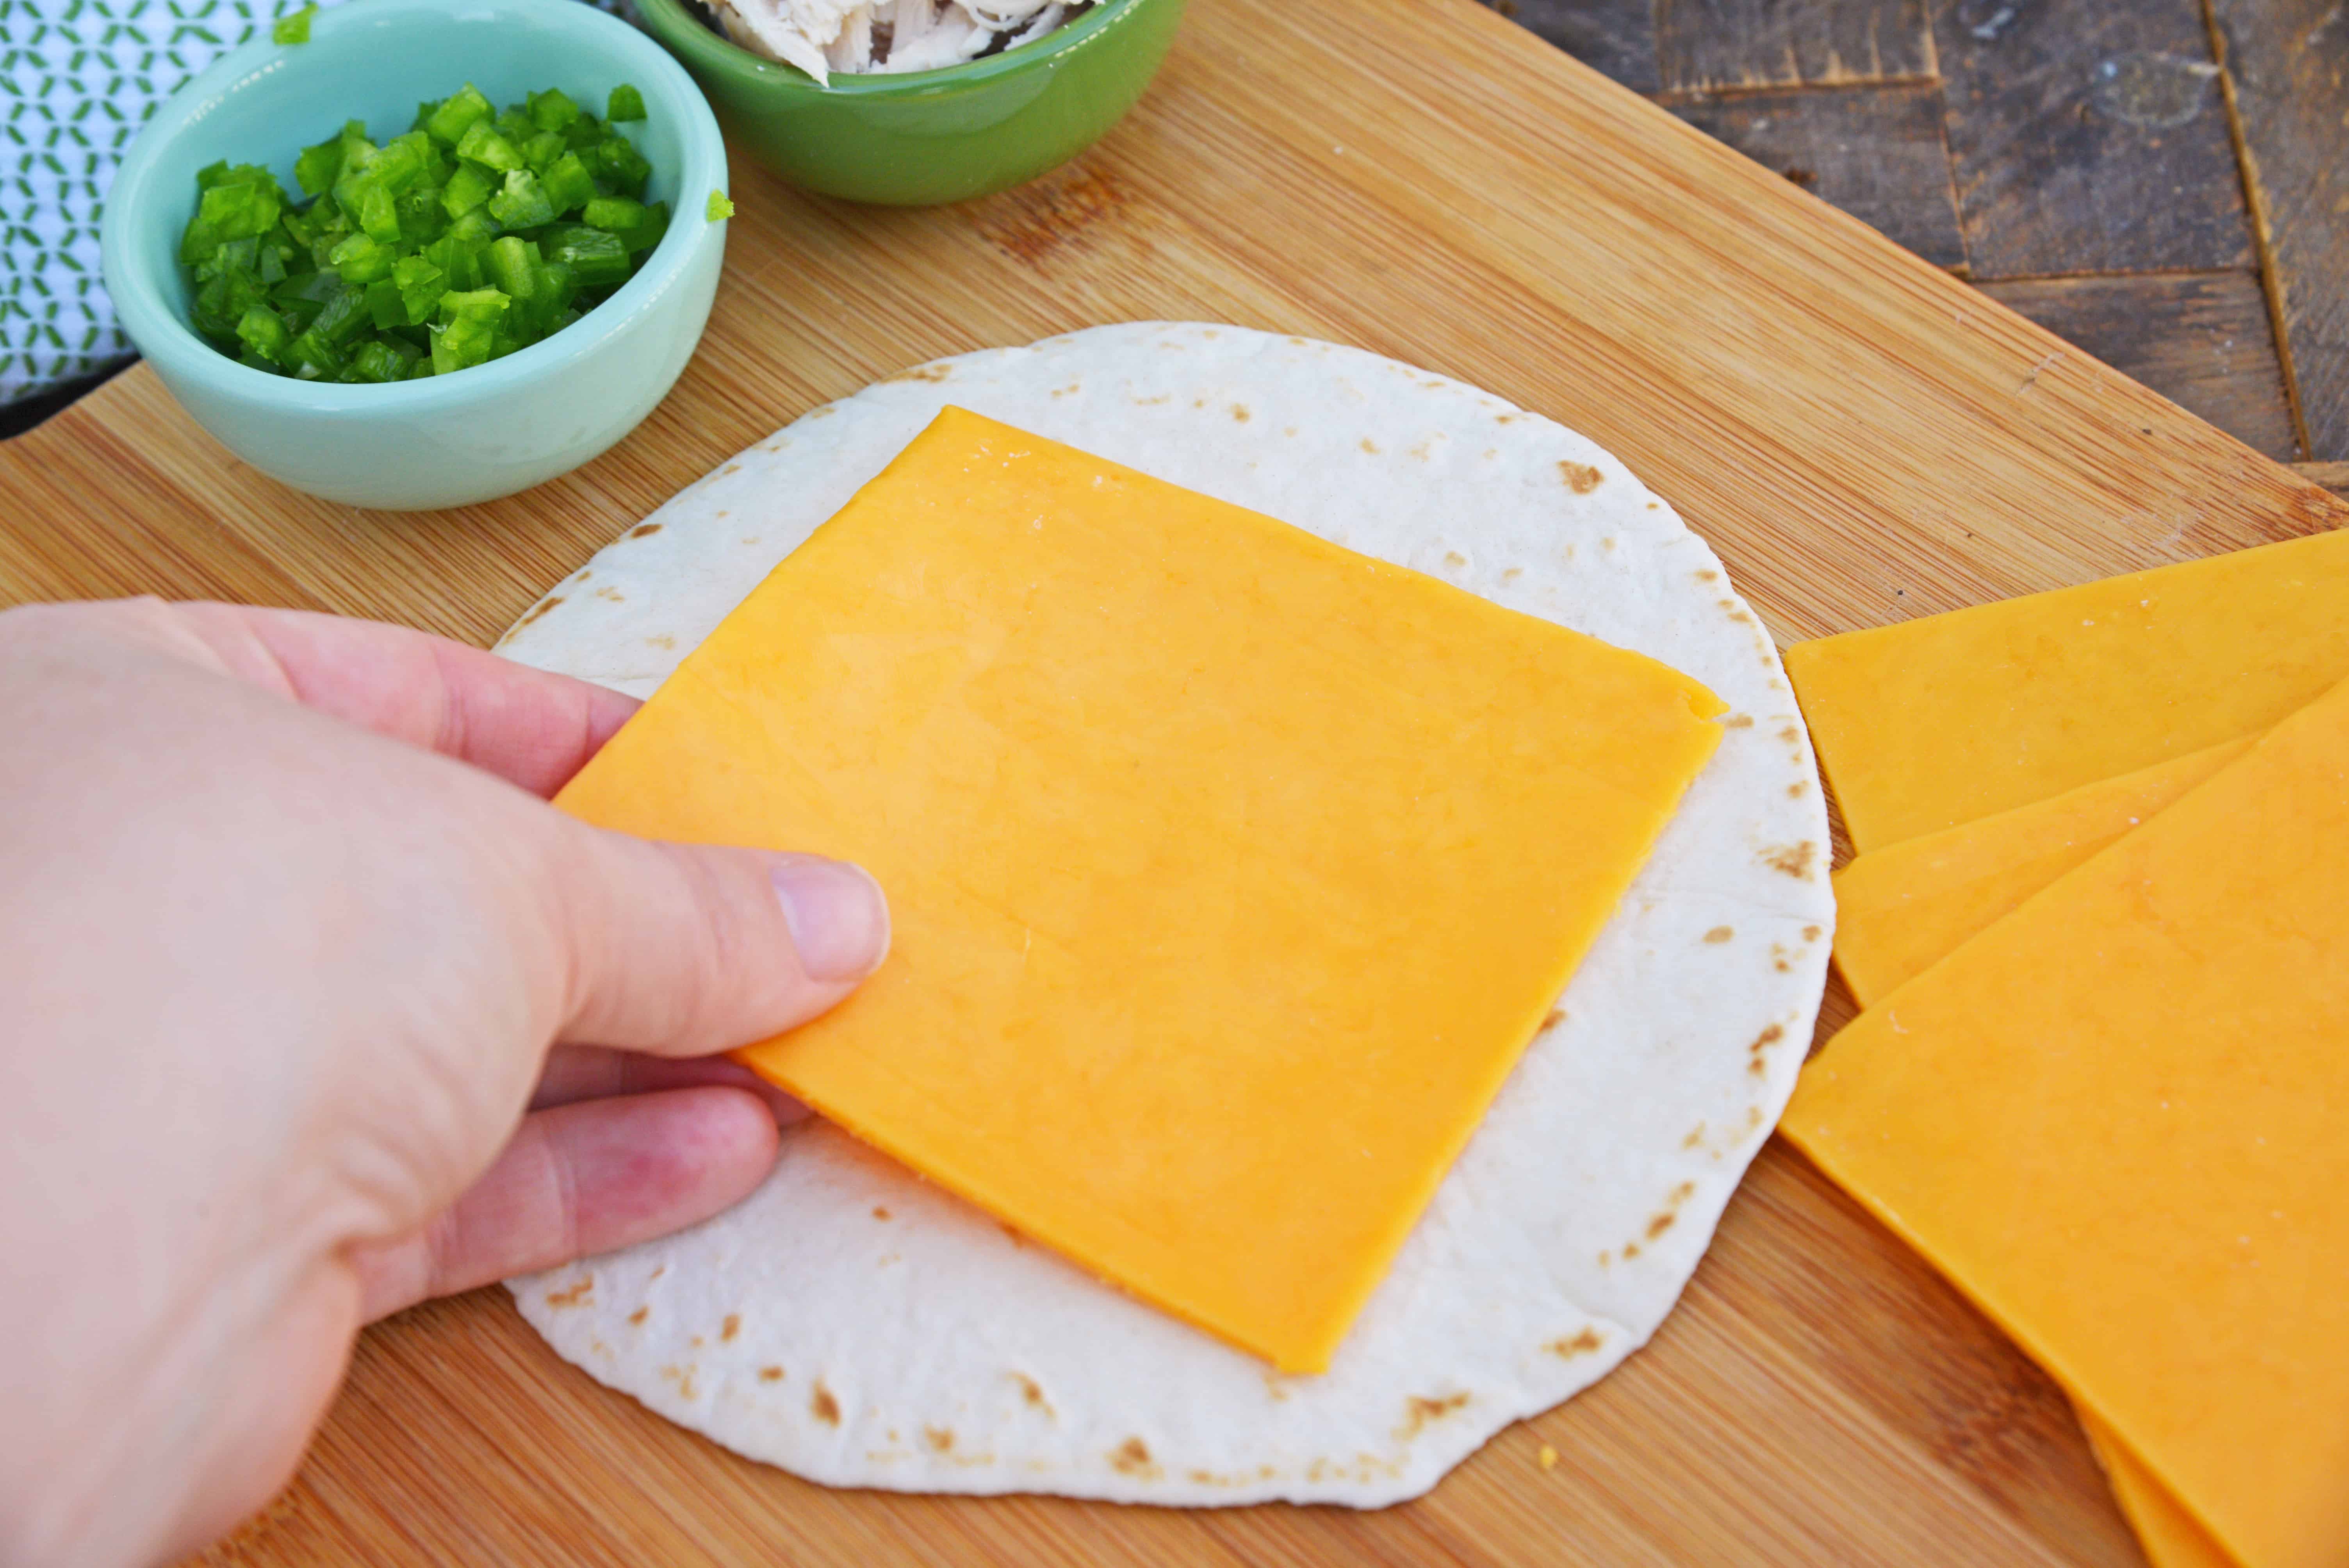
(1231, 870)
(1900, 908)
(2170, 1537)
(2115, 1119)
(1941, 721)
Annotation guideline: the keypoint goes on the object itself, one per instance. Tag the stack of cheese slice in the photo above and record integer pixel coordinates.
(2098, 924)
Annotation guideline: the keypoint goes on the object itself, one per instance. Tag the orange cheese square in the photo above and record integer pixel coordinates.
(2115, 1118)
(1902, 908)
(1938, 721)
(1231, 870)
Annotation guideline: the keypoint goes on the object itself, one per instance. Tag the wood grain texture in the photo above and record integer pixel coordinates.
(2333, 476)
(1860, 435)
(2201, 339)
(1616, 38)
(2089, 137)
(1703, 44)
(1877, 152)
(2288, 69)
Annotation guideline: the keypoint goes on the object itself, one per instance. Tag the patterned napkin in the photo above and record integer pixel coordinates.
(77, 79)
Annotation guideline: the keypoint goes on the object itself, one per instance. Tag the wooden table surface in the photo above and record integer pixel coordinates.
(1860, 435)
(2161, 182)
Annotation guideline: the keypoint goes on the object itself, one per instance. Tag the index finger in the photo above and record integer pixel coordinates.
(526, 725)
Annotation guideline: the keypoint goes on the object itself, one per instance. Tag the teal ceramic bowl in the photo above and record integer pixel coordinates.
(928, 137)
(446, 440)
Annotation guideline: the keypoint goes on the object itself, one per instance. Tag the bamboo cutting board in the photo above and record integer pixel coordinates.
(1860, 437)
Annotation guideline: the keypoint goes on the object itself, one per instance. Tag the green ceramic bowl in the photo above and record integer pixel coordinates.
(928, 137)
(447, 441)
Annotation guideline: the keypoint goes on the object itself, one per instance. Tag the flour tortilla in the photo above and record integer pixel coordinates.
(930, 1350)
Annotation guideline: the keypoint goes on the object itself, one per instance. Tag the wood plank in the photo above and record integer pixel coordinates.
(2290, 93)
(1616, 38)
(2333, 476)
(1879, 153)
(1703, 43)
(2089, 137)
(1860, 435)
(2200, 339)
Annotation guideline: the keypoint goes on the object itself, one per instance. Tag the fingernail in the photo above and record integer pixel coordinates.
(839, 919)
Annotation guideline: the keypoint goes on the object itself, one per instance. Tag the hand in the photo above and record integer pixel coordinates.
(287, 931)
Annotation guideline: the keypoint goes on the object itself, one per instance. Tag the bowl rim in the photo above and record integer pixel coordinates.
(163, 336)
(676, 27)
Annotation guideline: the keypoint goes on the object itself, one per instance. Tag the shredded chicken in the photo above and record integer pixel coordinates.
(860, 36)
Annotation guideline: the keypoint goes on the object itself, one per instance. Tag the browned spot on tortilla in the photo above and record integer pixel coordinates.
(1370, 446)
(1513, 573)
(571, 1295)
(645, 531)
(1420, 452)
(1507, 419)
(1289, 431)
(1741, 617)
(682, 1376)
(1574, 1345)
(731, 469)
(879, 1212)
(660, 640)
(1757, 1053)
(1553, 1017)
(1738, 721)
(730, 1327)
(1206, 1477)
(1795, 859)
(1630, 1251)
(656, 1273)
(1695, 1137)
(940, 1439)
(1277, 1387)
(697, 1341)
(1658, 1223)
(1419, 1410)
(1034, 1394)
(1810, 934)
(1708, 575)
(614, 595)
(925, 373)
(1453, 558)
(1198, 402)
(1580, 477)
(1240, 413)
(1132, 1457)
(829, 409)
(1719, 933)
(1608, 542)
(1795, 790)
(1790, 734)
(823, 1407)
(771, 1374)
(639, 1316)
(1154, 402)
(541, 608)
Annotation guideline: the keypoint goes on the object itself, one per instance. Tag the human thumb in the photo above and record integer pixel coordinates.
(686, 949)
